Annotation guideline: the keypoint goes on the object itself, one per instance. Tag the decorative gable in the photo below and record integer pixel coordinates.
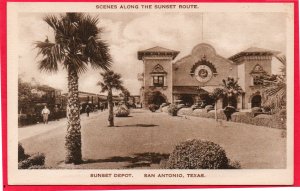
(258, 69)
(158, 69)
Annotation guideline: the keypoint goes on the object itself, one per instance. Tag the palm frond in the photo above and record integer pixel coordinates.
(111, 80)
(77, 43)
(51, 53)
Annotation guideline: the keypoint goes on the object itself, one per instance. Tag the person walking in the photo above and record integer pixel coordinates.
(45, 114)
(101, 107)
(88, 110)
(228, 111)
(56, 113)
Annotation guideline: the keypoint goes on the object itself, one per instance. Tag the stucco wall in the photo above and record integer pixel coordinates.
(250, 63)
(149, 64)
(182, 68)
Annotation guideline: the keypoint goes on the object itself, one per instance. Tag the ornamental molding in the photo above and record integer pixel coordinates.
(205, 62)
(158, 69)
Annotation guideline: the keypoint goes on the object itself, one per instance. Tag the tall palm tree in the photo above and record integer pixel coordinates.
(111, 81)
(274, 93)
(77, 44)
(216, 95)
(230, 89)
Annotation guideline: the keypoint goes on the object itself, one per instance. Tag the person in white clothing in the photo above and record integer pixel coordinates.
(45, 114)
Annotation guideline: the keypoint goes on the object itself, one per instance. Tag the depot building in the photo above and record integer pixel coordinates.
(195, 76)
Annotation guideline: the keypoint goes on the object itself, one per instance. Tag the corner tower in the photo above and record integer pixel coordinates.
(157, 75)
(251, 65)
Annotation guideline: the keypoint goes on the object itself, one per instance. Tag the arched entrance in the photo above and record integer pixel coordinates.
(187, 100)
(156, 98)
(256, 101)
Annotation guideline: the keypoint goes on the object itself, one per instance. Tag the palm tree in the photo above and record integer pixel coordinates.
(230, 89)
(111, 81)
(216, 95)
(77, 44)
(125, 94)
(274, 93)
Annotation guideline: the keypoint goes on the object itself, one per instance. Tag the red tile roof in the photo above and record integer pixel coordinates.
(157, 50)
(253, 51)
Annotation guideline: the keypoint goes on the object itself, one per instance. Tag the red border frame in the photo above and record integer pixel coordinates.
(3, 53)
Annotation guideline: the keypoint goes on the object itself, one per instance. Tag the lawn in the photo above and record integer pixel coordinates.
(145, 138)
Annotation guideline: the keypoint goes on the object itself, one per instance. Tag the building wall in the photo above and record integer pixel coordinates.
(149, 64)
(178, 73)
(249, 63)
(182, 67)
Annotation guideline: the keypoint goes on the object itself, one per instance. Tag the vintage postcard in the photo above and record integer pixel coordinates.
(150, 93)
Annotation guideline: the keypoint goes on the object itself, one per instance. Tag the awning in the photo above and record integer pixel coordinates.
(210, 89)
(194, 89)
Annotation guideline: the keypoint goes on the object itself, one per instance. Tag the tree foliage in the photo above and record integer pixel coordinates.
(111, 80)
(77, 43)
(274, 88)
(125, 94)
(25, 97)
(230, 89)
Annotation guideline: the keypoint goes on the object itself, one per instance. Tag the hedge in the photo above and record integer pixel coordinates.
(274, 121)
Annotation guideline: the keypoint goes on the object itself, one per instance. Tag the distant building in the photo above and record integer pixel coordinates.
(196, 75)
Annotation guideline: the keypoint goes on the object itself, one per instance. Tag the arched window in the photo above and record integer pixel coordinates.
(158, 76)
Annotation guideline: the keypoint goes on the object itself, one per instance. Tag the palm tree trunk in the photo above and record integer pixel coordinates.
(111, 109)
(73, 136)
(216, 115)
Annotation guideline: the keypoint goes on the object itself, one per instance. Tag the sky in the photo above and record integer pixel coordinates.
(127, 33)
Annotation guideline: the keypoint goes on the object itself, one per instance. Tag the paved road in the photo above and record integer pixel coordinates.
(39, 128)
(146, 135)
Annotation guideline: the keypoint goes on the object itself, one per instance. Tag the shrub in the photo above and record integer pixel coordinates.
(35, 159)
(122, 111)
(209, 108)
(256, 111)
(281, 114)
(165, 109)
(38, 167)
(179, 106)
(210, 114)
(242, 117)
(260, 120)
(234, 165)
(21, 153)
(164, 104)
(196, 106)
(172, 110)
(153, 107)
(185, 111)
(197, 154)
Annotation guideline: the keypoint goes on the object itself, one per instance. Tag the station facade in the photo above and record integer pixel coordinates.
(195, 76)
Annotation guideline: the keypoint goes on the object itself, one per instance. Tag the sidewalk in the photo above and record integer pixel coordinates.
(36, 129)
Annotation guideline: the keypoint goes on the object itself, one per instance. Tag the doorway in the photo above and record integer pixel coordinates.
(256, 101)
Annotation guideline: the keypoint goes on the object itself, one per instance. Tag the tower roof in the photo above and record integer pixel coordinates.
(253, 51)
(156, 51)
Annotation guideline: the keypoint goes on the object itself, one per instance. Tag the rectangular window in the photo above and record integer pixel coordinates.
(257, 81)
(158, 81)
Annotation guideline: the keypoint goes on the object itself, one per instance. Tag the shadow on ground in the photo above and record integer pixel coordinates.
(137, 125)
(135, 161)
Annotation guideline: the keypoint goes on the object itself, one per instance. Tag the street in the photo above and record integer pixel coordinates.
(139, 140)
